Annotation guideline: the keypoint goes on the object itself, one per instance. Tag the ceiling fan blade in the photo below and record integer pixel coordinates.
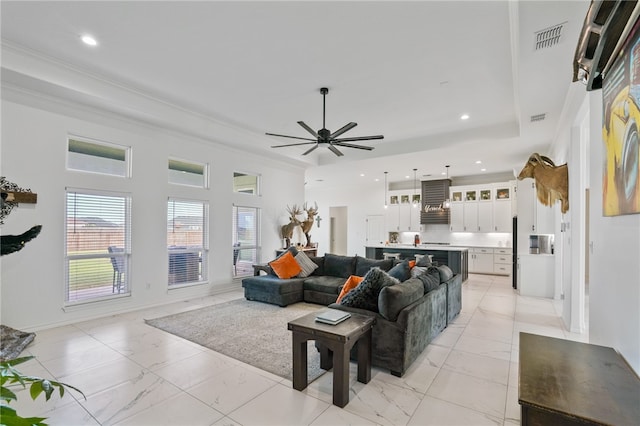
(310, 149)
(335, 150)
(292, 144)
(359, 138)
(291, 137)
(308, 129)
(343, 129)
(348, 145)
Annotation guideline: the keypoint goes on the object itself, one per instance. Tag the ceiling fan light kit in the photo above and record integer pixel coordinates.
(324, 136)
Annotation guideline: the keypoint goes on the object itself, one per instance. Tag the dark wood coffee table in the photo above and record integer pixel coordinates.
(571, 383)
(336, 341)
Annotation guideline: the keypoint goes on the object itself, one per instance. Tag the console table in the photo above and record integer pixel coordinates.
(335, 343)
(571, 383)
(309, 251)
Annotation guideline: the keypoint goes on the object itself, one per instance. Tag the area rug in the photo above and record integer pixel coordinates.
(13, 342)
(252, 332)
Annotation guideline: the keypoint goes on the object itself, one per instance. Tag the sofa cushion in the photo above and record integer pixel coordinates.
(339, 266)
(365, 295)
(430, 279)
(394, 298)
(401, 271)
(351, 283)
(445, 273)
(363, 265)
(306, 264)
(318, 260)
(285, 266)
(326, 284)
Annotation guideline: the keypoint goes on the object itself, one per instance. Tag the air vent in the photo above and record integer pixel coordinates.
(548, 37)
(538, 117)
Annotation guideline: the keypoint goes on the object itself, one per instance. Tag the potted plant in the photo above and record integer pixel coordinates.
(11, 378)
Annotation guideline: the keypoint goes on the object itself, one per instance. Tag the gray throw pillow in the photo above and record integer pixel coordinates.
(401, 271)
(365, 295)
(445, 273)
(418, 270)
(395, 298)
(339, 266)
(307, 265)
(430, 279)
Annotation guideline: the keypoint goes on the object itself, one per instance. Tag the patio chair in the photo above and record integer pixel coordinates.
(118, 268)
(236, 253)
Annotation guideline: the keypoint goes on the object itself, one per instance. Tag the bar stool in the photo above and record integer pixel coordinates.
(391, 256)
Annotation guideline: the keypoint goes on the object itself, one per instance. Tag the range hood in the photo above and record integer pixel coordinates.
(434, 194)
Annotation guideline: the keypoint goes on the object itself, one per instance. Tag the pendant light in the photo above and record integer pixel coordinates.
(385, 190)
(447, 201)
(415, 183)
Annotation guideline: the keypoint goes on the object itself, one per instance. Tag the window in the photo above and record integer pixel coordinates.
(183, 172)
(98, 157)
(246, 239)
(187, 241)
(246, 184)
(98, 245)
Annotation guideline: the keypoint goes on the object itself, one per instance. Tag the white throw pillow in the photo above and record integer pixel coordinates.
(307, 265)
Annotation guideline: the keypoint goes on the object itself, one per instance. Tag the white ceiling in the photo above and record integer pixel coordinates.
(407, 70)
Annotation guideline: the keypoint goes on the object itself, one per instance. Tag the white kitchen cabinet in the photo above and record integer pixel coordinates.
(536, 275)
(533, 216)
(393, 218)
(402, 216)
(481, 260)
(482, 208)
(485, 216)
(502, 261)
(456, 212)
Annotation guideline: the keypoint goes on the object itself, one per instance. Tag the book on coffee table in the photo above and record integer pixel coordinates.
(332, 316)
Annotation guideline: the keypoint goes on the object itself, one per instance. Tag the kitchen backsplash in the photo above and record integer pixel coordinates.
(442, 234)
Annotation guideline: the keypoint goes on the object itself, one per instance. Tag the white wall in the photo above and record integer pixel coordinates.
(33, 156)
(614, 269)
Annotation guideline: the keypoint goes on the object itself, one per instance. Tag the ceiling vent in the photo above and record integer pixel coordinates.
(538, 117)
(548, 37)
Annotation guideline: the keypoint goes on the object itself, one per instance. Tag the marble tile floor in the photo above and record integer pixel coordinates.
(134, 374)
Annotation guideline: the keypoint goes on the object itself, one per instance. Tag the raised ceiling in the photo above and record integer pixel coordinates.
(232, 71)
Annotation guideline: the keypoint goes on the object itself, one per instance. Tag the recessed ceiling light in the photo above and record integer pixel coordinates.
(407, 177)
(483, 170)
(464, 117)
(479, 162)
(361, 174)
(89, 40)
(376, 180)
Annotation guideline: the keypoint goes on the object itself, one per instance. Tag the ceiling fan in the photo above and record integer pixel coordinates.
(324, 136)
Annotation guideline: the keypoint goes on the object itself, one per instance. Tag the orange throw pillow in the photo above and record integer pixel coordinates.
(285, 266)
(412, 263)
(351, 283)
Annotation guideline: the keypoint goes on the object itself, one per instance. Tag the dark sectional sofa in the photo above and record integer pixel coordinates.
(409, 316)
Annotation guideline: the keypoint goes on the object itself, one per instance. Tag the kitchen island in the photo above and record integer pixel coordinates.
(456, 258)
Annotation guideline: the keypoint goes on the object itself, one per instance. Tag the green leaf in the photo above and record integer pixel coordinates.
(16, 361)
(35, 390)
(7, 395)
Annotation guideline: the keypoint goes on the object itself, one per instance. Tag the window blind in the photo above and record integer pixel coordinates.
(187, 241)
(246, 241)
(98, 245)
